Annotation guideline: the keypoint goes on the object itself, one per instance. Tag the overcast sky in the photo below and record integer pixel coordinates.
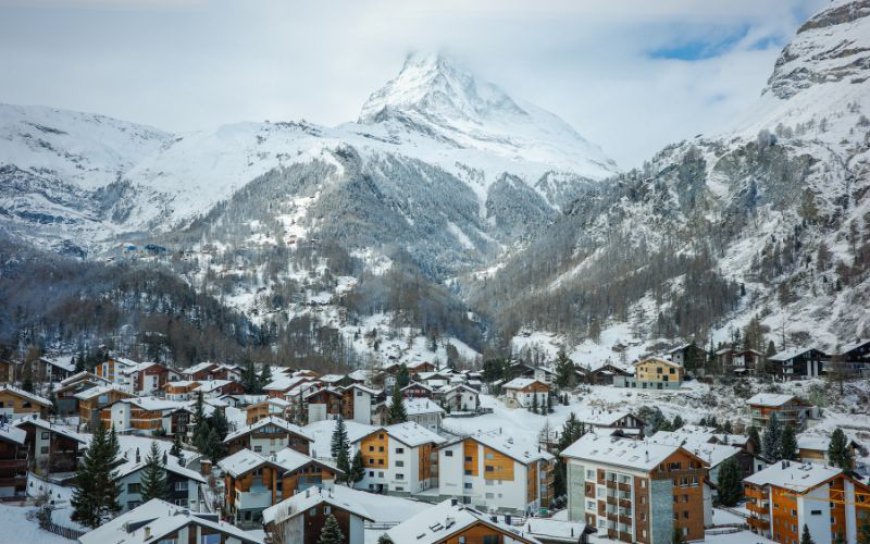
(631, 76)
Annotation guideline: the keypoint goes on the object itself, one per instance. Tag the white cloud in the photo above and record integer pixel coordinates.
(194, 64)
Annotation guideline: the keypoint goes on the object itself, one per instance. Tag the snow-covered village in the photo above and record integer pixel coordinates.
(282, 272)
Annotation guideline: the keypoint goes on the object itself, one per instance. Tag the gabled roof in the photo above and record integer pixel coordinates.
(417, 385)
(285, 383)
(363, 388)
(12, 434)
(131, 465)
(322, 432)
(770, 399)
(26, 395)
(506, 444)
(154, 404)
(417, 406)
(207, 386)
(83, 375)
(340, 497)
(624, 452)
(657, 360)
(199, 367)
(158, 519)
(713, 454)
(100, 390)
(790, 354)
(63, 362)
(555, 530)
(327, 390)
(794, 476)
(270, 420)
(409, 433)
(440, 522)
(457, 387)
(244, 461)
(40, 423)
(521, 383)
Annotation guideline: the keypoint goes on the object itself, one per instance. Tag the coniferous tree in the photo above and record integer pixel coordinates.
(219, 423)
(397, 413)
(806, 538)
(788, 444)
(838, 450)
(678, 422)
(403, 378)
(339, 437)
(730, 482)
(534, 406)
(771, 442)
(385, 539)
(727, 428)
(753, 435)
(265, 377)
(176, 449)
(95, 499)
(564, 371)
(357, 468)
(677, 536)
(331, 533)
(250, 381)
(201, 427)
(215, 449)
(154, 484)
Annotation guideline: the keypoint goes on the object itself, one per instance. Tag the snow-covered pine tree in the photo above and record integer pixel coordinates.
(339, 437)
(771, 442)
(788, 444)
(838, 450)
(331, 533)
(154, 484)
(397, 413)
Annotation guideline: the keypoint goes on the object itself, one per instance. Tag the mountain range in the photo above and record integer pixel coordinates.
(453, 218)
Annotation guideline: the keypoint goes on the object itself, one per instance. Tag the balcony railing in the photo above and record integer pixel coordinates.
(758, 508)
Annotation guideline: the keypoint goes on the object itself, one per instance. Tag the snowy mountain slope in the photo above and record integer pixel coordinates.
(434, 115)
(433, 96)
(770, 218)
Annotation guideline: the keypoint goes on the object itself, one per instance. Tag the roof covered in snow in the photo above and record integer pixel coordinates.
(12, 434)
(624, 452)
(25, 394)
(514, 447)
(521, 383)
(338, 496)
(440, 522)
(770, 399)
(40, 423)
(270, 420)
(794, 476)
(158, 519)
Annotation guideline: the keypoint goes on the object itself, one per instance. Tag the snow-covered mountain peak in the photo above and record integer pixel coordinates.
(439, 88)
(435, 96)
(831, 47)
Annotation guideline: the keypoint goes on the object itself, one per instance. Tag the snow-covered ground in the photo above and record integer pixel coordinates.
(16, 528)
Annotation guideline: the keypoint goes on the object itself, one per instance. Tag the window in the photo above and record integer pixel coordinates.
(133, 504)
(490, 496)
(327, 510)
(467, 485)
(43, 449)
(467, 472)
(400, 476)
(371, 473)
(380, 461)
(816, 512)
(400, 488)
(400, 463)
(489, 456)
(258, 449)
(380, 474)
(312, 512)
(400, 450)
(132, 488)
(467, 459)
(448, 453)
(181, 486)
(490, 468)
(685, 514)
(490, 539)
(371, 448)
(45, 435)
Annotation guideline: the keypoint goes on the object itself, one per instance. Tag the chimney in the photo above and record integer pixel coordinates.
(147, 532)
(137, 455)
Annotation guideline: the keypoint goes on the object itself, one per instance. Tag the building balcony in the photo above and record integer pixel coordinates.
(253, 500)
(612, 501)
(626, 487)
(758, 524)
(625, 503)
(611, 484)
(754, 493)
(761, 508)
(7, 464)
